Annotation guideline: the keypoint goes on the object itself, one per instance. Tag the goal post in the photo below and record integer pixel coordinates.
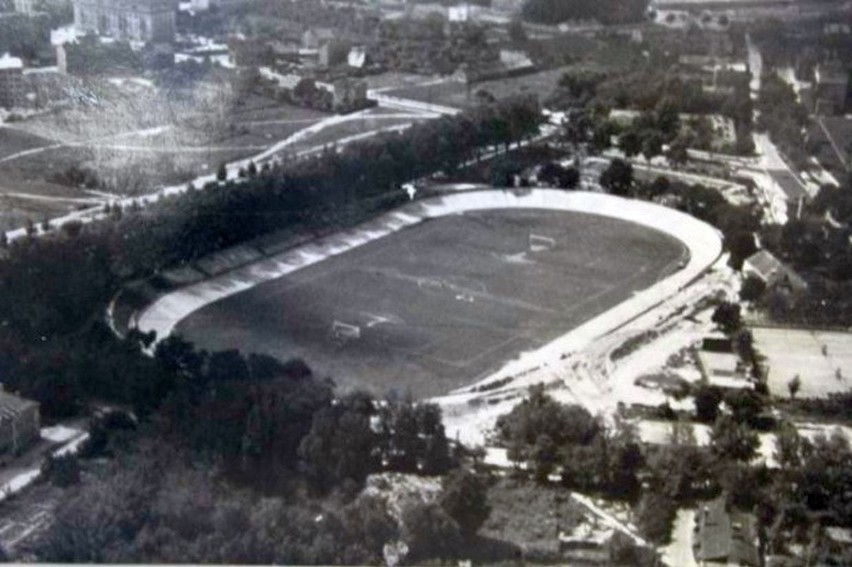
(540, 243)
(341, 331)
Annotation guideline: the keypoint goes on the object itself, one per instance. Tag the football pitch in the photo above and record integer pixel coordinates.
(440, 304)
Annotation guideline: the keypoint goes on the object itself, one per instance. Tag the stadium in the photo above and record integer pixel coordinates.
(445, 291)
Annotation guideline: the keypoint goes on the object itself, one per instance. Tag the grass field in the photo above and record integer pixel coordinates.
(445, 302)
(455, 94)
(13, 141)
(791, 353)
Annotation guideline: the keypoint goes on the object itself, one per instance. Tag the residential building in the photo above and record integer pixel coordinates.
(11, 81)
(723, 370)
(20, 423)
(130, 20)
(772, 271)
(349, 93)
(724, 537)
(357, 57)
(314, 38)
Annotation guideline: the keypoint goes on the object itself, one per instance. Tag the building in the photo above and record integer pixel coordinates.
(357, 57)
(772, 271)
(130, 20)
(314, 38)
(349, 93)
(724, 537)
(11, 81)
(831, 87)
(26, 7)
(723, 370)
(20, 423)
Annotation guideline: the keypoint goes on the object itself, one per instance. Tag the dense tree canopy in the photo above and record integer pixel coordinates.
(609, 12)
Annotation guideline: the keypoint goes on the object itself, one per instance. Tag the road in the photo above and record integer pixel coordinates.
(679, 552)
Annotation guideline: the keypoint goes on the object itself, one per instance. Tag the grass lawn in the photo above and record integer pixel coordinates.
(13, 141)
(442, 304)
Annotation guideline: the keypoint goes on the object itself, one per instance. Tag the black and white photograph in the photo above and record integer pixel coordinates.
(426, 282)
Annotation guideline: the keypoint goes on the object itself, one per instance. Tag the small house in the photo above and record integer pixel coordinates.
(314, 38)
(772, 271)
(723, 536)
(20, 423)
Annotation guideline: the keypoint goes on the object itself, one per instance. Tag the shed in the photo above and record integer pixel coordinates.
(20, 422)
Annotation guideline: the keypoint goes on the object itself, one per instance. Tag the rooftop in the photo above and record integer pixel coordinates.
(12, 405)
(769, 268)
(725, 536)
(9, 62)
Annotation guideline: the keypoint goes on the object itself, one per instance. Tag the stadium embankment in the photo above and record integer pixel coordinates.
(166, 310)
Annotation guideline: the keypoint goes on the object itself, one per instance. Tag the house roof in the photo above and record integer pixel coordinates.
(9, 62)
(769, 268)
(11, 406)
(323, 33)
(725, 536)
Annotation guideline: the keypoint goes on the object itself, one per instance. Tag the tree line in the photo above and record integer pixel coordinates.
(609, 12)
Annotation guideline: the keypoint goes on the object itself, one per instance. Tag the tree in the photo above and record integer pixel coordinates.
(788, 446)
(794, 385)
(601, 137)
(630, 143)
(430, 533)
(222, 172)
(707, 400)
(652, 145)
(678, 153)
(618, 177)
(753, 289)
(746, 406)
(252, 169)
(538, 415)
(682, 472)
(339, 447)
(465, 499)
(563, 177)
(63, 471)
(544, 457)
(655, 517)
(727, 317)
(733, 440)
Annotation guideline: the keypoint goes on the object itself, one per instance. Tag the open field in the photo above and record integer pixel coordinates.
(13, 140)
(791, 352)
(455, 94)
(445, 302)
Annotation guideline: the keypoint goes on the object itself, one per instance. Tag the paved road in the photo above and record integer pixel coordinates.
(679, 552)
